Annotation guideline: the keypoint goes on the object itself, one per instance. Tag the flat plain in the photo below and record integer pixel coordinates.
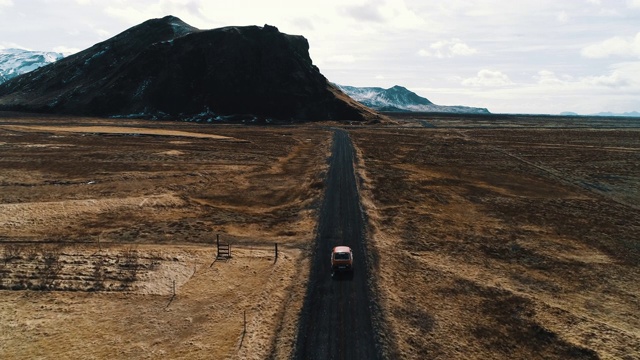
(514, 237)
(503, 238)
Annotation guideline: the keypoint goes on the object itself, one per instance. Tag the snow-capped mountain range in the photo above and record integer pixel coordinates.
(398, 98)
(14, 62)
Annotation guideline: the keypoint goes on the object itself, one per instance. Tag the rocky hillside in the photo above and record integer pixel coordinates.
(165, 68)
(398, 98)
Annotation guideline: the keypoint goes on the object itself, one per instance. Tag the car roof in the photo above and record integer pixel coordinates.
(341, 249)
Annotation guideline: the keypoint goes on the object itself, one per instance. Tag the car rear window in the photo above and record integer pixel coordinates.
(341, 256)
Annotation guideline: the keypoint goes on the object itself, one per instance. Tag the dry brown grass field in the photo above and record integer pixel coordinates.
(505, 242)
(510, 242)
(100, 218)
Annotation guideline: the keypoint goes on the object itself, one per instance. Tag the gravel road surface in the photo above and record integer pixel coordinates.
(336, 315)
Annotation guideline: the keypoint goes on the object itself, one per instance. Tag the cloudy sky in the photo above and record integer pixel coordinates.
(524, 56)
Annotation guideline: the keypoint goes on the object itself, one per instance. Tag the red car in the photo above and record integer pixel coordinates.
(341, 259)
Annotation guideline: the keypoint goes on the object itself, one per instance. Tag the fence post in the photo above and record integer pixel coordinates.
(276, 259)
(174, 288)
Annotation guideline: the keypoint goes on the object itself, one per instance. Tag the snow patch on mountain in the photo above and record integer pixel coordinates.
(398, 98)
(14, 62)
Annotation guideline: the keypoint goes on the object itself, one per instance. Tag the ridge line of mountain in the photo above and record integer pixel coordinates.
(400, 99)
(165, 68)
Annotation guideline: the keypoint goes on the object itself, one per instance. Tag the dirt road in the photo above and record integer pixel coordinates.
(336, 316)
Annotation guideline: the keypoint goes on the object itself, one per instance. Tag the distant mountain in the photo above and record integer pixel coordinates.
(165, 68)
(14, 62)
(606, 113)
(398, 98)
(627, 114)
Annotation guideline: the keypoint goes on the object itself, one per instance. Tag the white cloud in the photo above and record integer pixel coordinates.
(138, 12)
(401, 15)
(624, 75)
(11, 45)
(614, 80)
(487, 77)
(131, 14)
(562, 17)
(622, 78)
(66, 51)
(395, 13)
(365, 12)
(634, 4)
(447, 49)
(546, 77)
(338, 60)
(103, 33)
(303, 24)
(5, 4)
(462, 49)
(615, 46)
(345, 59)
(610, 12)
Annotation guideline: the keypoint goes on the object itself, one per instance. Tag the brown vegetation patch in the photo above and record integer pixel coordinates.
(97, 307)
(101, 216)
(132, 131)
(493, 244)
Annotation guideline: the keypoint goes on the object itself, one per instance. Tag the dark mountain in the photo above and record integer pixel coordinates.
(398, 98)
(167, 68)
